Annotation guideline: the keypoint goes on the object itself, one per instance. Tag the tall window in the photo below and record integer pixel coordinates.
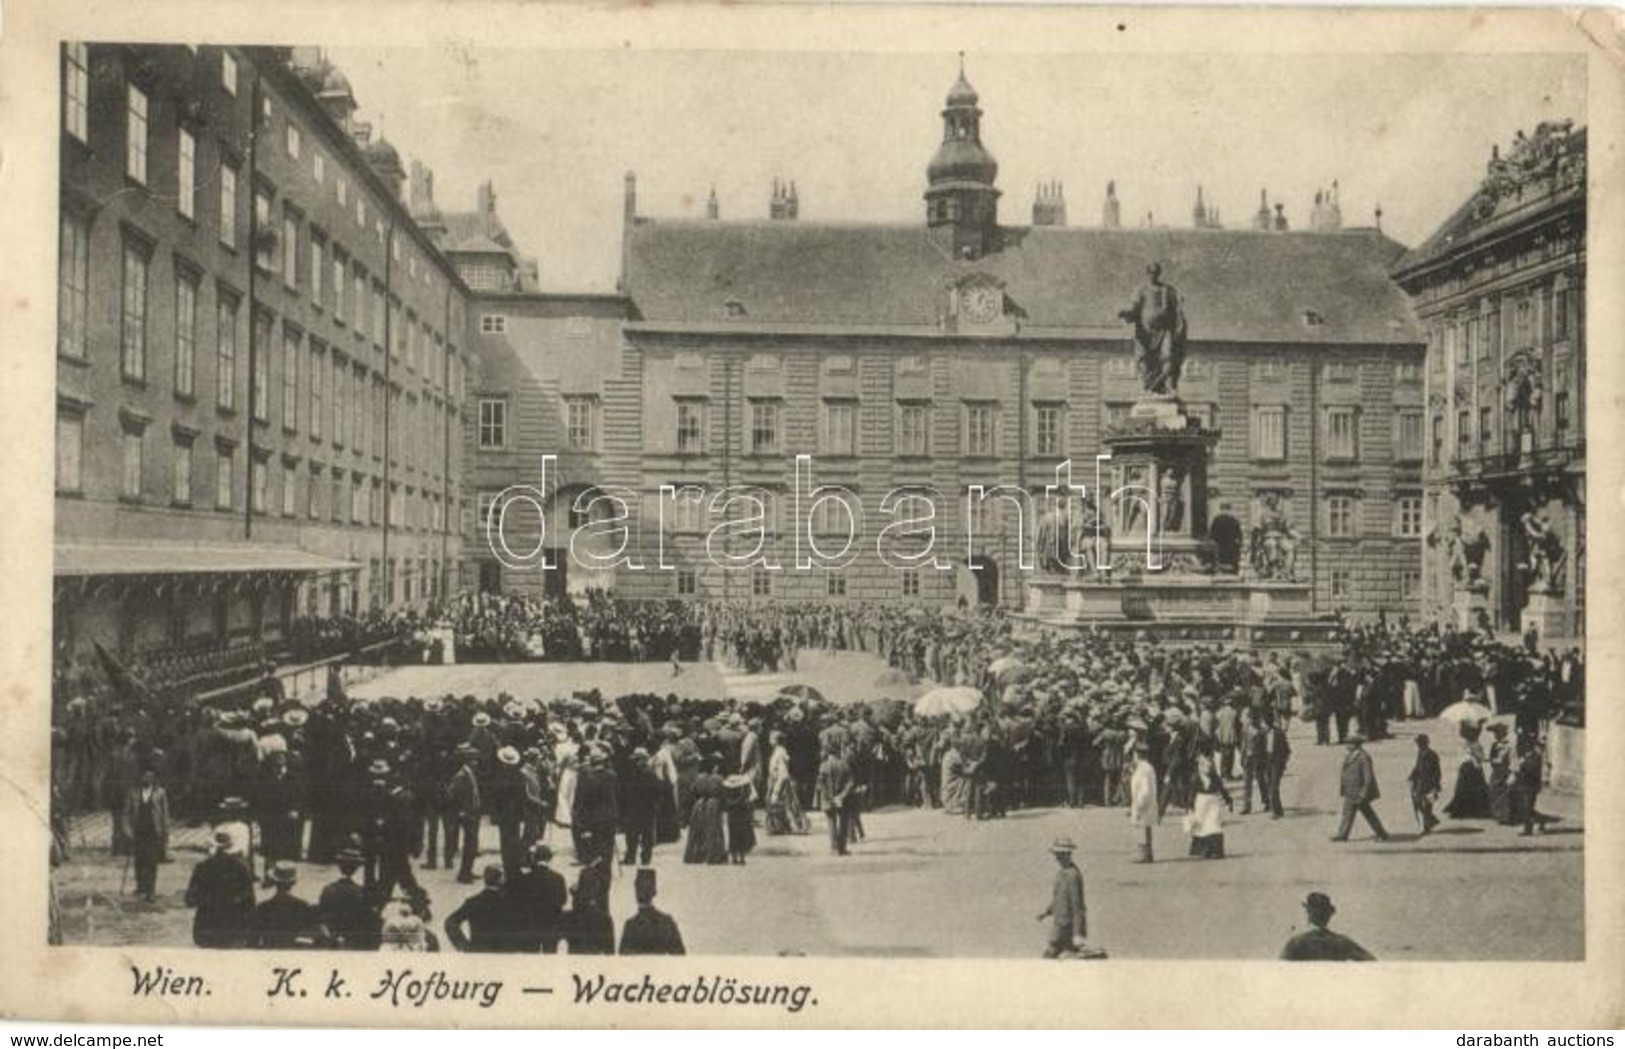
(294, 141)
(1408, 435)
(690, 427)
(342, 189)
(186, 174)
(835, 585)
(1408, 516)
(133, 320)
(1410, 584)
(313, 493)
(263, 257)
(1047, 429)
(318, 376)
(358, 409)
(1340, 517)
(360, 301)
(840, 427)
(181, 471)
(911, 582)
(493, 423)
(578, 420)
(76, 92)
(225, 353)
(258, 482)
(290, 380)
(290, 250)
(262, 367)
(764, 427)
(135, 139)
(319, 166)
(228, 73)
(1436, 456)
(1340, 433)
(73, 286)
(290, 488)
(185, 334)
(341, 375)
(1342, 584)
(225, 462)
(70, 441)
(1464, 430)
(761, 583)
(1269, 432)
(913, 429)
(228, 205)
(1486, 426)
(318, 270)
(979, 429)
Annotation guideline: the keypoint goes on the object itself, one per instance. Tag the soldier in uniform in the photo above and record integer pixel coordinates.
(285, 921)
(1067, 913)
(649, 931)
(1320, 944)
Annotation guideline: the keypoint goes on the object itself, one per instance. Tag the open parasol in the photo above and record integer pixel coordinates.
(948, 699)
(1465, 711)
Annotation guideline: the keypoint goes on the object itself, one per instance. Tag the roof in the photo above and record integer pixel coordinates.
(1237, 285)
(474, 231)
(159, 558)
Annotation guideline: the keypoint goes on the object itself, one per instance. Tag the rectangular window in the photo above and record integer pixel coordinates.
(135, 140)
(1340, 517)
(1269, 432)
(228, 73)
(130, 482)
(228, 205)
(319, 167)
(342, 188)
(913, 429)
(258, 483)
(76, 92)
(186, 174)
(579, 422)
(341, 279)
(1410, 584)
(185, 334)
(294, 140)
(1342, 584)
(761, 583)
(225, 354)
(493, 324)
(290, 251)
(290, 488)
(1340, 433)
(73, 287)
(1408, 436)
(1407, 373)
(378, 315)
(493, 423)
(1456, 335)
(1047, 429)
(290, 381)
(358, 409)
(1486, 426)
(181, 472)
(318, 376)
(687, 583)
(1408, 516)
(690, 427)
(1436, 456)
(70, 440)
(265, 236)
(224, 467)
(313, 493)
(1561, 414)
(359, 301)
(764, 427)
(341, 376)
(835, 585)
(262, 367)
(911, 582)
(980, 429)
(318, 270)
(1116, 415)
(133, 320)
(1464, 430)
(840, 428)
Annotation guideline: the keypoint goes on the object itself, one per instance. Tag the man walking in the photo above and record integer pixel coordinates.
(1277, 752)
(1358, 787)
(1426, 781)
(1067, 912)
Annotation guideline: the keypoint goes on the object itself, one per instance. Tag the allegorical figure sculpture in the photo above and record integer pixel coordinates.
(1467, 555)
(1274, 547)
(1159, 334)
(1067, 537)
(1546, 559)
(1171, 503)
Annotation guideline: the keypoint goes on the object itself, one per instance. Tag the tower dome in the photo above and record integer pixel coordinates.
(960, 199)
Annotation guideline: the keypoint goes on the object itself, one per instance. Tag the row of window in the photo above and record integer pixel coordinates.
(1482, 431)
(1523, 319)
(352, 497)
(980, 426)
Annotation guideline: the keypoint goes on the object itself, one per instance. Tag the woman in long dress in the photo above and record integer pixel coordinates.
(1500, 785)
(784, 815)
(565, 753)
(738, 803)
(706, 842)
(1206, 820)
(1471, 799)
(955, 785)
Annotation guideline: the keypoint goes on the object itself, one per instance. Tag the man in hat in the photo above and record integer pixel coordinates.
(146, 814)
(539, 895)
(1143, 808)
(641, 793)
(507, 799)
(222, 891)
(1068, 914)
(277, 801)
(1427, 781)
(285, 921)
(345, 908)
(834, 793)
(595, 815)
(1358, 788)
(1320, 944)
(489, 917)
(463, 809)
(649, 931)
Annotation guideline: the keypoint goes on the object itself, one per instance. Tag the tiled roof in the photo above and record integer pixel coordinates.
(1242, 286)
(474, 231)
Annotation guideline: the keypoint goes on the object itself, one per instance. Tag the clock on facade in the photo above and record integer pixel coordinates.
(981, 303)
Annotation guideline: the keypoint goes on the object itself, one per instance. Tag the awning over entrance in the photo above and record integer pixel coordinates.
(157, 558)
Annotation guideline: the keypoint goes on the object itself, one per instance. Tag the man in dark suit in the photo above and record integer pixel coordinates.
(1277, 752)
(489, 917)
(285, 921)
(641, 793)
(1358, 788)
(222, 891)
(596, 814)
(1427, 780)
(834, 794)
(346, 909)
(146, 813)
(1320, 944)
(539, 895)
(650, 931)
(463, 801)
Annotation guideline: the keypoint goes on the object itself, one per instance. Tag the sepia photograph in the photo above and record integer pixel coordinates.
(784, 503)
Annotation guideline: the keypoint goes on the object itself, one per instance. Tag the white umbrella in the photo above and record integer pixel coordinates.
(1466, 710)
(948, 699)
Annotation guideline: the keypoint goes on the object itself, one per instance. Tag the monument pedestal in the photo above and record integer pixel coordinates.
(1470, 606)
(1544, 614)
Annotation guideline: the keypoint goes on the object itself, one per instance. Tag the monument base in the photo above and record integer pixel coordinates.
(1178, 607)
(1470, 607)
(1544, 614)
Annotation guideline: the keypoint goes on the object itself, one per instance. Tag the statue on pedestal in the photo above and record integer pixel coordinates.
(1159, 334)
(1066, 537)
(1467, 556)
(1274, 545)
(1546, 558)
(1171, 503)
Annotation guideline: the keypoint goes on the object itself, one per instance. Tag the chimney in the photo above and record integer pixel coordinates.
(711, 210)
(792, 206)
(1111, 213)
(486, 198)
(629, 216)
(1261, 218)
(1280, 218)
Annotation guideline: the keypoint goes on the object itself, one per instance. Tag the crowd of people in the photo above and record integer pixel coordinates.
(377, 787)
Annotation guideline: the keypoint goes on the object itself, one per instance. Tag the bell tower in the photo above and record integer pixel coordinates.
(961, 203)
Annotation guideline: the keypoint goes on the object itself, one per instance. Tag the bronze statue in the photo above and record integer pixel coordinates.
(1274, 545)
(1546, 558)
(1159, 334)
(1067, 535)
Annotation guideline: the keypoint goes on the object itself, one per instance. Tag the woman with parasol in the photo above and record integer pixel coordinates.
(738, 799)
(1471, 799)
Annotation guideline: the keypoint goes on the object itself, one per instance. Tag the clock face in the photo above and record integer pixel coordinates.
(982, 303)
